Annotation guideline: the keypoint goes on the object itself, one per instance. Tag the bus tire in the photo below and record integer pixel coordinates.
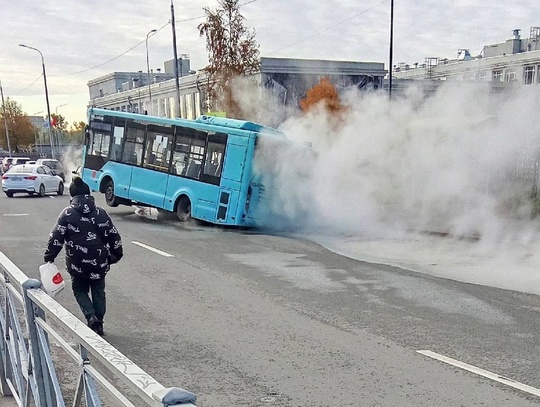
(183, 209)
(110, 197)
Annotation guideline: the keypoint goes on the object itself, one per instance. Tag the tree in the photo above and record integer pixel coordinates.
(324, 92)
(21, 131)
(75, 133)
(233, 52)
(59, 123)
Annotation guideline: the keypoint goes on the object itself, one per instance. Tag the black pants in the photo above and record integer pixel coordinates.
(97, 305)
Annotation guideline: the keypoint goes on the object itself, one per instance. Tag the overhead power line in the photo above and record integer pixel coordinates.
(329, 28)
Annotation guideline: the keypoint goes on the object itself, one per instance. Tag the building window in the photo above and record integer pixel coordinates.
(497, 76)
(528, 75)
(172, 110)
(182, 107)
(197, 96)
(510, 75)
(190, 114)
(481, 76)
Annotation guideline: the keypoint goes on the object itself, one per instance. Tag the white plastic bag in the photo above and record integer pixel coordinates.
(51, 279)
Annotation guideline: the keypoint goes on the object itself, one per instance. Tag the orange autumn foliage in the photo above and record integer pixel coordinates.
(324, 92)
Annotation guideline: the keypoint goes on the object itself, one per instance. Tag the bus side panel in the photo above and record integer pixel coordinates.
(148, 186)
(90, 177)
(121, 175)
(203, 197)
(233, 167)
(205, 210)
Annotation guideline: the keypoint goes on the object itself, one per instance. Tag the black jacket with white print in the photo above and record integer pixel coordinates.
(91, 241)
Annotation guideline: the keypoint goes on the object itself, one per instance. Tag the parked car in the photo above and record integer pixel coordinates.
(54, 165)
(6, 163)
(10, 161)
(31, 179)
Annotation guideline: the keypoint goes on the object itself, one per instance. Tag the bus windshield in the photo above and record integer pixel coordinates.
(201, 169)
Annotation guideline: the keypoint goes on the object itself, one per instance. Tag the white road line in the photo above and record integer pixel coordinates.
(15, 214)
(153, 249)
(481, 372)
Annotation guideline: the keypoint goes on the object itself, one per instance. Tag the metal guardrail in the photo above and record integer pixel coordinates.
(29, 318)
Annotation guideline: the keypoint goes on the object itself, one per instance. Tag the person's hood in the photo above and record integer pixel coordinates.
(84, 204)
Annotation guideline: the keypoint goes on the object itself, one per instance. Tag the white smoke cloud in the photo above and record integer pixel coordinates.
(454, 161)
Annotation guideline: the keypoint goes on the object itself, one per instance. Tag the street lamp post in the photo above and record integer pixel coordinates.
(5, 119)
(391, 54)
(148, 70)
(175, 52)
(56, 131)
(46, 96)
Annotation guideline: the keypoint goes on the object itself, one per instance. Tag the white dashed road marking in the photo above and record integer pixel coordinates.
(481, 372)
(15, 214)
(165, 254)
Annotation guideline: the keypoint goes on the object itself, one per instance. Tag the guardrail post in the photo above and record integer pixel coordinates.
(36, 369)
(4, 331)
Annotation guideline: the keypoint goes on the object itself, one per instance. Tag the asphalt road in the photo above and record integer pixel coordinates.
(246, 318)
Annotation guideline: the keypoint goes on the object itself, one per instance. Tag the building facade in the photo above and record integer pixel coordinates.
(515, 60)
(286, 79)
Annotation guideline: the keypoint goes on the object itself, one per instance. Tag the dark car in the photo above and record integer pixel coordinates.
(54, 165)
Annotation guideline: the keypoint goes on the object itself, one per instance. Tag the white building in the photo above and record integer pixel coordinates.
(515, 60)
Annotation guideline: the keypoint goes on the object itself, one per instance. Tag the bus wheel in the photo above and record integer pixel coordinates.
(183, 209)
(110, 197)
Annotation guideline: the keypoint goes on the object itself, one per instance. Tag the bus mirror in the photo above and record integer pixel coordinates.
(86, 137)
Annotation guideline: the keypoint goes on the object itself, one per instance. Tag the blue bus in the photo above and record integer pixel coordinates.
(201, 169)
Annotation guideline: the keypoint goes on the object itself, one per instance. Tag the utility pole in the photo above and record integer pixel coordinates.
(391, 61)
(148, 70)
(177, 80)
(5, 119)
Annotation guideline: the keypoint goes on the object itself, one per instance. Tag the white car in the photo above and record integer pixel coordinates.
(31, 179)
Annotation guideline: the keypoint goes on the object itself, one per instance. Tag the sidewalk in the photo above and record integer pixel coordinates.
(513, 265)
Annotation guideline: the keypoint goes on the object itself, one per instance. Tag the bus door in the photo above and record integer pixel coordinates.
(120, 173)
(149, 181)
(231, 180)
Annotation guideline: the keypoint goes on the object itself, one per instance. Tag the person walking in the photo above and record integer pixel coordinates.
(92, 243)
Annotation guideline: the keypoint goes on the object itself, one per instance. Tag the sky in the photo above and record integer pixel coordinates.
(82, 40)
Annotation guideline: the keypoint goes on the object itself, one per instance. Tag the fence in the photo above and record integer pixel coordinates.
(29, 319)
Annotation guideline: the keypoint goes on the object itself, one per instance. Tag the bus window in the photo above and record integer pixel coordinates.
(180, 155)
(116, 148)
(134, 144)
(158, 148)
(214, 158)
(215, 154)
(188, 152)
(195, 159)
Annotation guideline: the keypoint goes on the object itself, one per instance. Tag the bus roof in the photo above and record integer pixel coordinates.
(204, 119)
